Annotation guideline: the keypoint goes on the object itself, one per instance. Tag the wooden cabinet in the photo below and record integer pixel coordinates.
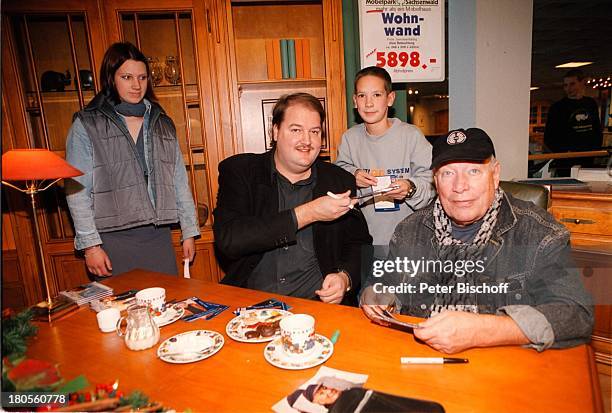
(211, 75)
(50, 55)
(255, 33)
(587, 213)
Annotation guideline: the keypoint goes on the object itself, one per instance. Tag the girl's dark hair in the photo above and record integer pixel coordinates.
(115, 56)
(378, 72)
(283, 103)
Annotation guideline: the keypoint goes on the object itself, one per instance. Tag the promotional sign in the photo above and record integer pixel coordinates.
(406, 37)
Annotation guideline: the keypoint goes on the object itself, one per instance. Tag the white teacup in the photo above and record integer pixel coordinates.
(107, 319)
(153, 297)
(298, 334)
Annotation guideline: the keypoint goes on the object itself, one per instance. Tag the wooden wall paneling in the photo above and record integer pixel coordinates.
(204, 266)
(207, 68)
(334, 67)
(13, 289)
(223, 80)
(112, 8)
(72, 269)
(22, 137)
(15, 135)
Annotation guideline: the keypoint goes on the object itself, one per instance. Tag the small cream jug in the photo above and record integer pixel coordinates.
(141, 332)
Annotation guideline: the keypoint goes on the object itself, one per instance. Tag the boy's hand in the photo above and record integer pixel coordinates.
(401, 192)
(364, 179)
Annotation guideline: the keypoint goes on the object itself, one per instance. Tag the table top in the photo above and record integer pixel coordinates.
(238, 378)
(599, 190)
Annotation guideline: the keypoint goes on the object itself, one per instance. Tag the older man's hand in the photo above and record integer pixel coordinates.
(455, 331)
(374, 304)
(451, 331)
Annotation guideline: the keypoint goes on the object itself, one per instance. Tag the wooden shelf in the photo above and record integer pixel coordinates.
(171, 91)
(280, 84)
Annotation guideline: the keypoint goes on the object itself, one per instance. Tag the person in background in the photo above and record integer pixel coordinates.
(385, 146)
(486, 269)
(573, 123)
(134, 183)
(276, 227)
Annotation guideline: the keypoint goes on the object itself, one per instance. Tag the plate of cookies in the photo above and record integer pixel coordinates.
(256, 326)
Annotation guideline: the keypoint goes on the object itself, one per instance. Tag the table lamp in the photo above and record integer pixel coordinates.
(38, 169)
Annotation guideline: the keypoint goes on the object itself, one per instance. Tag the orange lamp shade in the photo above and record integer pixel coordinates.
(35, 164)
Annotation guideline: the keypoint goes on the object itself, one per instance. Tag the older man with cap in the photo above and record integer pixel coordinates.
(484, 268)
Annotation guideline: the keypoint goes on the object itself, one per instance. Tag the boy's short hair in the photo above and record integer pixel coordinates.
(376, 71)
(577, 73)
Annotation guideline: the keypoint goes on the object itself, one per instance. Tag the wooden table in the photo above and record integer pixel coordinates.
(239, 379)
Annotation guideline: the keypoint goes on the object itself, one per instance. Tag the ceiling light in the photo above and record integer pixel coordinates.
(534, 88)
(573, 64)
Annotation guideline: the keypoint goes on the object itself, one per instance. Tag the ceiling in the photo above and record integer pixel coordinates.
(570, 30)
(563, 31)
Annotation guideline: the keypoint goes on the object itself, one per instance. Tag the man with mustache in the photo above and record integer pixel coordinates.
(276, 229)
(494, 269)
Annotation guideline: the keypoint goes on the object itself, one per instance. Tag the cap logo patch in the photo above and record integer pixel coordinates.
(456, 137)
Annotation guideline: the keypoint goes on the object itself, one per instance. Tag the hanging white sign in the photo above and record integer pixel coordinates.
(406, 37)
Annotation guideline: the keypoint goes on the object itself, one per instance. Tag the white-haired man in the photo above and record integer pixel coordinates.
(484, 268)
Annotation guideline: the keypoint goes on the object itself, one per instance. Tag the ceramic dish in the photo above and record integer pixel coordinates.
(256, 326)
(169, 316)
(275, 355)
(190, 346)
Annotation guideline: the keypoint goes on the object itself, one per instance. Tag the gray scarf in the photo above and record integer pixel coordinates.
(455, 250)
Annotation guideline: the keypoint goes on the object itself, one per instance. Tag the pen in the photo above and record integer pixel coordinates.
(216, 312)
(433, 360)
(335, 336)
(381, 191)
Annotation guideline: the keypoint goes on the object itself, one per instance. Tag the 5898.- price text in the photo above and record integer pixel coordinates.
(393, 59)
(28, 399)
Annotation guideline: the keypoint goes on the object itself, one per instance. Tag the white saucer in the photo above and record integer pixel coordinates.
(190, 346)
(237, 328)
(169, 316)
(275, 355)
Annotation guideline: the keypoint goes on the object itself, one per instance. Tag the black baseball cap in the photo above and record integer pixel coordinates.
(471, 144)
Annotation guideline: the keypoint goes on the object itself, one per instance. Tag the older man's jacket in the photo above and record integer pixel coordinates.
(529, 251)
(248, 222)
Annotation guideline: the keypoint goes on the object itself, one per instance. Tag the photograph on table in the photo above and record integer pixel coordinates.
(332, 390)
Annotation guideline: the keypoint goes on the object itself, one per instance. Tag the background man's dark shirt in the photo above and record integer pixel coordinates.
(573, 125)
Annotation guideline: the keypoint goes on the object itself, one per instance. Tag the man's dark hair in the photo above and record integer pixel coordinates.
(283, 103)
(378, 72)
(577, 73)
(115, 56)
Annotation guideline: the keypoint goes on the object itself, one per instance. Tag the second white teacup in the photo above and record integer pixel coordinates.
(107, 319)
(153, 297)
(298, 334)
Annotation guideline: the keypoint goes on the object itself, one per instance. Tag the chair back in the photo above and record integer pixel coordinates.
(538, 194)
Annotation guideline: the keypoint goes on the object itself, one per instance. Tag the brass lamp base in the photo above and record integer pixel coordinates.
(59, 308)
